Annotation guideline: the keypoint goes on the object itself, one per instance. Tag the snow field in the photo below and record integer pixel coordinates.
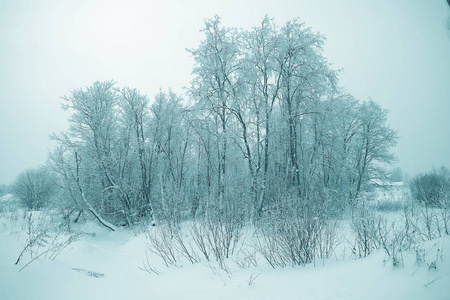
(108, 265)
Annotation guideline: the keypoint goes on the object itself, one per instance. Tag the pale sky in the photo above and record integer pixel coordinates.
(395, 52)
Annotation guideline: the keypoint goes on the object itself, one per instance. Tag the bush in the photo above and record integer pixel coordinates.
(429, 188)
(389, 205)
(34, 188)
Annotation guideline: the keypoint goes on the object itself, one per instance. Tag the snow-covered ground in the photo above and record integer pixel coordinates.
(108, 265)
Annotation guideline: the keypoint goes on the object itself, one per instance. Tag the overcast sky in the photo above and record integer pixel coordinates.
(396, 52)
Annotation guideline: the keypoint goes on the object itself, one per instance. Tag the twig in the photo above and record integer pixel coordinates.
(252, 279)
(415, 271)
(430, 282)
(147, 267)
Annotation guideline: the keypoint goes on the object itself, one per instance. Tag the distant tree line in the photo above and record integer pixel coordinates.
(264, 128)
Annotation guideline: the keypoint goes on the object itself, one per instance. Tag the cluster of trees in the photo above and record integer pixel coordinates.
(264, 121)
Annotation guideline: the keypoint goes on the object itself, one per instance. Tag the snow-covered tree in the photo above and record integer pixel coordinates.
(215, 84)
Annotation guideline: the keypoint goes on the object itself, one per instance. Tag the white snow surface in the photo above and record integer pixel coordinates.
(117, 256)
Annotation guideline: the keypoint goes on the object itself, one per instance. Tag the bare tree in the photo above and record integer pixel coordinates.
(135, 112)
(374, 141)
(262, 77)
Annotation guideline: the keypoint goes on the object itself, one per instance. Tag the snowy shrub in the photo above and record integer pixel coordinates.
(286, 243)
(374, 231)
(430, 188)
(34, 187)
(246, 259)
(426, 223)
(429, 256)
(364, 224)
(295, 241)
(185, 248)
(389, 206)
(327, 239)
(161, 244)
(364, 243)
(198, 233)
(395, 249)
(43, 240)
(296, 232)
(445, 215)
(394, 239)
(427, 220)
(223, 229)
(216, 235)
(37, 234)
